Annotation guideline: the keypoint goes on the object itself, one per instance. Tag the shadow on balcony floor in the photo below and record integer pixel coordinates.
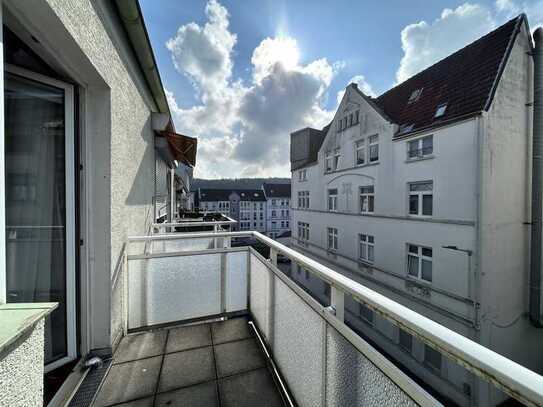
(212, 364)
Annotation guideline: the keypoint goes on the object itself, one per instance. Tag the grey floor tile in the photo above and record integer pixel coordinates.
(186, 368)
(201, 395)
(254, 388)
(188, 337)
(146, 402)
(129, 381)
(139, 346)
(239, 356)
(231, 330)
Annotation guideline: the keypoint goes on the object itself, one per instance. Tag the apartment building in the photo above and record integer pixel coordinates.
(247, 206)
(277, 208)
(423, 194)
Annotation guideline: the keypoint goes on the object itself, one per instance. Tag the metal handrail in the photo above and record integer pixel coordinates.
(511, 377)
(188, 223)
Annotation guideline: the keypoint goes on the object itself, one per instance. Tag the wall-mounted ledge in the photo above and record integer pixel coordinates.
(16, 320)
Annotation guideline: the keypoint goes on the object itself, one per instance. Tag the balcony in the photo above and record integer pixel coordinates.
(209, 322)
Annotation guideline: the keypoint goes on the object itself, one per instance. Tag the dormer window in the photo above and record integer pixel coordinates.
(440, 111)
(406, 128)
(415, 95)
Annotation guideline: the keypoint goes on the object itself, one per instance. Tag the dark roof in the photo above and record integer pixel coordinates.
(465, 81)
(276, 190)
(211, 195)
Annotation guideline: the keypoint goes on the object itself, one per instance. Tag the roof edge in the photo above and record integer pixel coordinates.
(134, 25)
(522, 18)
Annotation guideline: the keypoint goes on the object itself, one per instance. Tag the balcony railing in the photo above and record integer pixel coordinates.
(322, 362)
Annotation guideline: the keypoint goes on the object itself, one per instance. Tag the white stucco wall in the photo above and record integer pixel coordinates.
(506, 199)
(122, 176)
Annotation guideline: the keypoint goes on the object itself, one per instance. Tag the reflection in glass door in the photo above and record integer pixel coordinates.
(40, 203)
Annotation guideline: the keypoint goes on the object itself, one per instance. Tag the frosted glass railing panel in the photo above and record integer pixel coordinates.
(134, 248)
(181, 245)
(352, 380)
(169, 289)
(236, 281)
(259, 275)
(298, 340)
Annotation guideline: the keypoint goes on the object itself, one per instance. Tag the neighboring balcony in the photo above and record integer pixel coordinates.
(221, 325)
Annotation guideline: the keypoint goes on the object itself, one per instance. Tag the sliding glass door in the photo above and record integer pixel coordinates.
(39, 165)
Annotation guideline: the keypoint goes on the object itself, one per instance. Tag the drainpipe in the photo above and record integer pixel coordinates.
(537, 184)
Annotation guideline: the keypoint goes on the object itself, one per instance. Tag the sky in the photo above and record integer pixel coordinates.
(242, 75)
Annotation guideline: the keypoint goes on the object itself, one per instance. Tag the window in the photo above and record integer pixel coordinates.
(356, 116)
(303, 231)
(328, 161)
(419, 262)
(373, 146)
(367, 199)
(366, 249)
(274, 225)
(421, 198)
(345, 122)
(405, 128)
(351, 119)
(282, 224)
(415, 95)
(303, 200)
(360, 147)
(302, 175)
(405, 340)
(337, 155)
(332, 239)
(273, 202)
(440, 111)
(332, 199)
(273, 214)
(366, 313)
(432, 357)
(420, 147)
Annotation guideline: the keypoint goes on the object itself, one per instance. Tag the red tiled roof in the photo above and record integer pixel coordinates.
(465, 81)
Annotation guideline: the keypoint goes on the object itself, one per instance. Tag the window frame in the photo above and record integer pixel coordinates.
(420, 148)
(369, 311)
(360, 145)
(370, 196)
(420, 258)
(401, 345)
(332, 198)
(428, 349)
(332, 239)
(373, 144)
(420, 199)
(303, 231)
(366, 241)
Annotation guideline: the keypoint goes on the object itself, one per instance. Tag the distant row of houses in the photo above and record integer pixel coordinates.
(265, 210)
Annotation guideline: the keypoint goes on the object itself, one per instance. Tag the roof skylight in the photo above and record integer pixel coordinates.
(440, 111)
(415, 95)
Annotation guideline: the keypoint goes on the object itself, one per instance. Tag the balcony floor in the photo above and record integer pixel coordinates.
(211, 364)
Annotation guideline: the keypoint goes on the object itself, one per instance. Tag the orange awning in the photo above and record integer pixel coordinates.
(183, 148)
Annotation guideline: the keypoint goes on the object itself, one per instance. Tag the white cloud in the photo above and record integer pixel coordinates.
(244, 129)
(425, 43)
(363, 85)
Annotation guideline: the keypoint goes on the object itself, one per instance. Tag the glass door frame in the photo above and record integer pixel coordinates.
(70, 182)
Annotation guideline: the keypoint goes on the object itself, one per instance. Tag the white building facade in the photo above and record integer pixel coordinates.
(429, 209)
(247, 206)
(277, 208)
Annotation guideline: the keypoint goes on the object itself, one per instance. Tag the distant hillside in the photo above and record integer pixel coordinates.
(235, 183)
